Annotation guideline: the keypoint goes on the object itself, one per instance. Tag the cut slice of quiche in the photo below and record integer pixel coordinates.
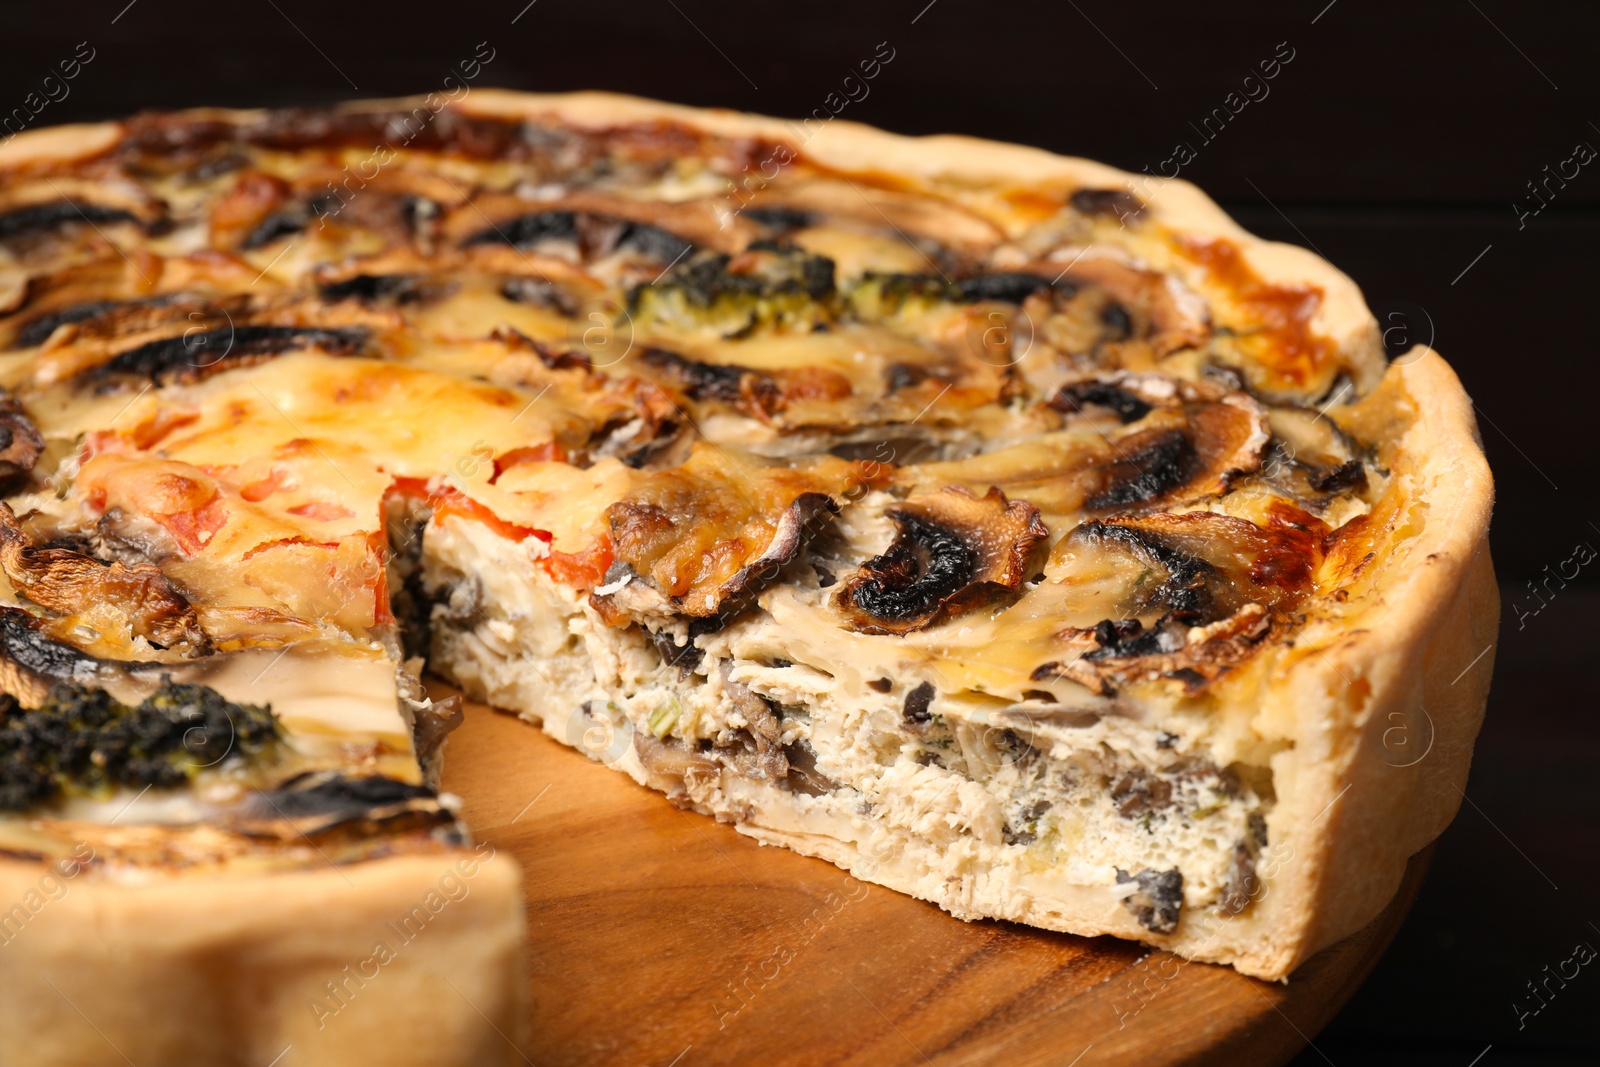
(1011, 534)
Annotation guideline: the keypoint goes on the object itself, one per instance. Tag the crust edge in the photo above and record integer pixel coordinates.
(236, 984)
(1428, 647)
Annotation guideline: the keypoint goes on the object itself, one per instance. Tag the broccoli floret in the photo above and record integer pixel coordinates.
(83, 741)
(770, 284)
(879, 295)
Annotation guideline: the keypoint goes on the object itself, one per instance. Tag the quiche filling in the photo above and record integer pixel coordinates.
(946, 533)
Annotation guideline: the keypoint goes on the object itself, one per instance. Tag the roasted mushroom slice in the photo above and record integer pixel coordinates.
(953, 552)
(139, 599)
(1109, 315)
(20, 443)
(319, 802)
(802, 520)
(1225, 586)
(36, 218)
(1187, 454)
(702, 537)
(597, 225)
(753, 392)
(1144, 467)
(36, 329)
(1213, 564)
(525, 231)
(195, 356)
(876, 293)
(32, 211)
(1114, 654)
(1309, 457)
(1120, 400)
(761, 394)
(593, 235)
(1228, 439)
(1193, 439)
(31, 661)
(376, 289)
(1128, 444)
(1177, 317)
(1272, 563)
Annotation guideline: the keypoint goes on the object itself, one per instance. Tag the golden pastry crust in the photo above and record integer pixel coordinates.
(419, 958)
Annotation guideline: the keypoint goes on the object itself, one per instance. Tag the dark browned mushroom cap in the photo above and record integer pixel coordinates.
(598, 235)
(37, 218)
(35, 210)
(806, 516)
(187, 337)
(1190, 440)
(31, 661)
(635, 596)
(66, 582)
(191, 357)
(753, 392)
(36, 329)
(1187, 453)
(953, 552)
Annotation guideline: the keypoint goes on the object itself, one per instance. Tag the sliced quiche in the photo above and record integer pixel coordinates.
(1009, 531)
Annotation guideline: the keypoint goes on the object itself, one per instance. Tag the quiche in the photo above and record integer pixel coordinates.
(1008, 530)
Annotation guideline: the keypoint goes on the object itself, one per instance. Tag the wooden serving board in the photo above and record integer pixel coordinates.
(661, 937)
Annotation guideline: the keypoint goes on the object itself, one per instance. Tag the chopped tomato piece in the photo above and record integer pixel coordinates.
(447, 500)
(582, 570)
(549, 452)
(377, 553)
(193, 529)
(259, 490)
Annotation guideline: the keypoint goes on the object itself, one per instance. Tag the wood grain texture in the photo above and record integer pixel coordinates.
(659, 936)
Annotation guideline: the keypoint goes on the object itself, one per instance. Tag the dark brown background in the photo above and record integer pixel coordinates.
(1396, 143)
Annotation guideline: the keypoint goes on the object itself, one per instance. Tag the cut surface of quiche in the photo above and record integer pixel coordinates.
(1007, 532)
